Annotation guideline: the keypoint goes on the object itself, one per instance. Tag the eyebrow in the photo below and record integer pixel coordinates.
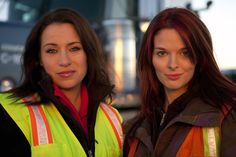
(158, 48)
(75, 42)
(183, 49)
(161, 48)
(53, 44)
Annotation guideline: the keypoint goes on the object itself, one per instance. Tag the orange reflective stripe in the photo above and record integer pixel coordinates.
(133, 147)
(41, 132)
(115, 122)
(34, 127)
(193, 144)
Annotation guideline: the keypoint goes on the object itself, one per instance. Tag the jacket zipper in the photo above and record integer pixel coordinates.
(163, 118)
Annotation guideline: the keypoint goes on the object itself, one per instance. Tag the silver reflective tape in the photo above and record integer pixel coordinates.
(115, 120)
(211, 138)
(41, 126)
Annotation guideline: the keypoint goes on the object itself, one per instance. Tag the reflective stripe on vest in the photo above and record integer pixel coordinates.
(211, 141)
(114, 119)
(201, 142)
(65, 142)
(41, 132)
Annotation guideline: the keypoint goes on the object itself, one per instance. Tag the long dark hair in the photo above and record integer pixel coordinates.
(208, 82)
(33, 72)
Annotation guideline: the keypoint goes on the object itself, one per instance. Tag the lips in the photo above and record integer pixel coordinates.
(66, 74)
(173, 76)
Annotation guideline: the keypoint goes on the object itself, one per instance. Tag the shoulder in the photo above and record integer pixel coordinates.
(115, 121)
(198, 106)
(137, 127)
(229, 119)
(111, 111)
(130, 124)
(137, 135)
(9, 131)
(228, 136)
(4, 97)
(7, 99)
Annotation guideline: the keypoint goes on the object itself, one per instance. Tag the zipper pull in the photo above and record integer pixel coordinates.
(90, 153)
(163, 118)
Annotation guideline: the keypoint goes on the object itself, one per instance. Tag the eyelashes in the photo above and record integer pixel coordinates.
(72, 49)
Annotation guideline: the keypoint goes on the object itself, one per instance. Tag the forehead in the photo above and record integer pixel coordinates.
(59, 32)
(168, 37)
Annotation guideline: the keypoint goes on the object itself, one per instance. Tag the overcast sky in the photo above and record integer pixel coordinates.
(221, 21)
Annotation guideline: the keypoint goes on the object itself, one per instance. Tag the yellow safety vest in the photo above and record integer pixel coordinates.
(49, 135)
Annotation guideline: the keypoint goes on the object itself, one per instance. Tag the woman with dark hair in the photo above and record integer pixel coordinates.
(188, 106)
(62, 107)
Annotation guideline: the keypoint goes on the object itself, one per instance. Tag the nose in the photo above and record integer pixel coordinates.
(173, 62)
(64, 59)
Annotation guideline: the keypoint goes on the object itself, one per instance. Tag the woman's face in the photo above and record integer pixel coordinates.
(63, 56)
(172, 63)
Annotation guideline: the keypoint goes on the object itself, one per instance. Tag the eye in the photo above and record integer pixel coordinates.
(75, 49)
(185, 53)
(160, 53)
(51, 51)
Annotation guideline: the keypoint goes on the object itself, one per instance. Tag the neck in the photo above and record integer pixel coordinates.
(171, 95)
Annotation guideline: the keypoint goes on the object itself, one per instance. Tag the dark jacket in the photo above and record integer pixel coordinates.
(142, 133)
(14, 143)
(196, 113)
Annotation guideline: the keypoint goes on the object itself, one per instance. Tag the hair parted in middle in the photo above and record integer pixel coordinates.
(33, 72)
(208, 82)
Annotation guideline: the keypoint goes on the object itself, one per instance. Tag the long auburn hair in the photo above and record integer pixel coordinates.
(208, 82)
(33, 72)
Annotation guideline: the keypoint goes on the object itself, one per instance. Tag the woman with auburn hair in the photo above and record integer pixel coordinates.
(62, 107)
(188, 106)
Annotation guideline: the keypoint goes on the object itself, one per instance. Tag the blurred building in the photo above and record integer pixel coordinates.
(120, 25)
(16, 20)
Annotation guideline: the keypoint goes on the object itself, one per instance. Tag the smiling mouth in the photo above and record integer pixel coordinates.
(66, 74)
(173, 76)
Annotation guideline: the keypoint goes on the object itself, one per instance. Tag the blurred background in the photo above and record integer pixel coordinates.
(120, 25)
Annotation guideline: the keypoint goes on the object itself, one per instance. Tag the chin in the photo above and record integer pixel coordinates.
(67, 86)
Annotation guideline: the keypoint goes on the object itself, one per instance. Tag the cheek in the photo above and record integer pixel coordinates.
(159, 70)
(161, 77)
(47, 65)
(81, 62)
(190, 71)
(158, 66)
(188, 66)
